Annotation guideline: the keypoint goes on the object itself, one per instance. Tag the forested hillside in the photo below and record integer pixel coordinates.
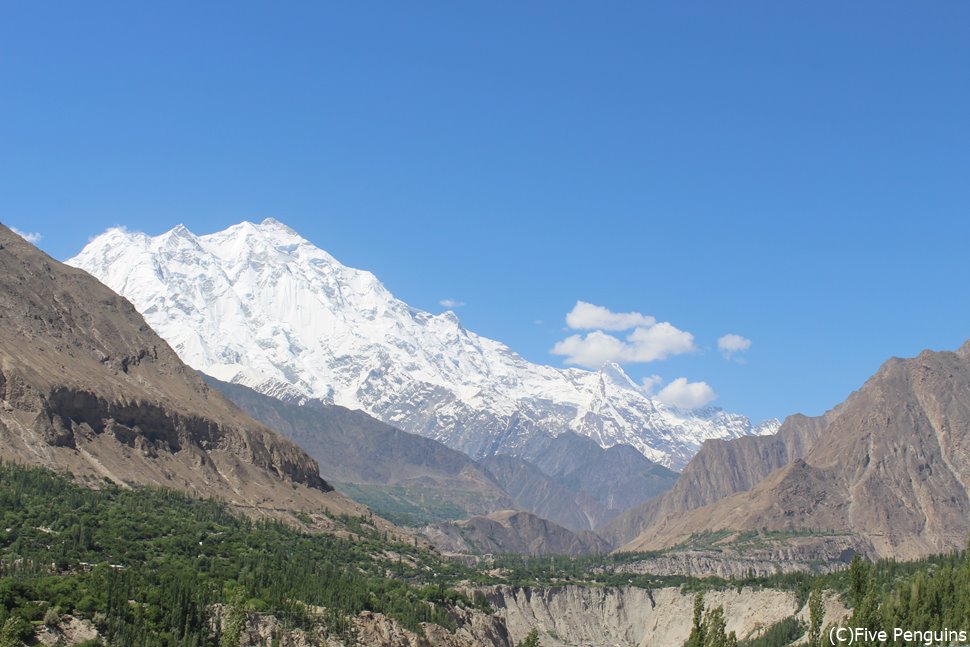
(146, 564)
(150, 566)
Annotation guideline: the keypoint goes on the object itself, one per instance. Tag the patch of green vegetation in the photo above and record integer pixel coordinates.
(782, 633)
(303, 518)
(412, 507)
(146, 564)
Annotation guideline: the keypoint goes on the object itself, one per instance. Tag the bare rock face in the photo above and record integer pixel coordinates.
(68, 630)
(87, 386)
(890, 466)
(512, 531)
(474, 629)
(629, 616)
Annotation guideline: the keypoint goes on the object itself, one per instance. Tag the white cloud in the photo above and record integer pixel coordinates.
(659, 342)
(648, 384)
(451, 303)
(586, 316)
(731, 344)
(642, 345)
(686, 395)
(30, 237)
(648, 341)
(593, 350)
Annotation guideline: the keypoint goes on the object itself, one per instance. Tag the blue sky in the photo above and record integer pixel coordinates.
(795, 173)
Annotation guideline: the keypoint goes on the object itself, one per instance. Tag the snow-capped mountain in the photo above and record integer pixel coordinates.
(259, 305)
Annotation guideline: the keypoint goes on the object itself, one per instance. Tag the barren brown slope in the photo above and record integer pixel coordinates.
(721, 468)
(87, 386)
(892, 467)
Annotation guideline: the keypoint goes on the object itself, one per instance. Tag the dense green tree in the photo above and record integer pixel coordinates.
(709, 628)
(15, 632)
(859, 576)
(816, 616)
(697, 635)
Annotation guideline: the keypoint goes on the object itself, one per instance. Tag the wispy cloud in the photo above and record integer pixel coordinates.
(731, 345)
(686, 395)
(648, 341)
(451, 303)
(30, 237)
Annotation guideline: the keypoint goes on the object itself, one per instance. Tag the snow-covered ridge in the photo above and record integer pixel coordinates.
(260, 305)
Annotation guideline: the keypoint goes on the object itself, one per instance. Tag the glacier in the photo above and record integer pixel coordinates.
(259, 305)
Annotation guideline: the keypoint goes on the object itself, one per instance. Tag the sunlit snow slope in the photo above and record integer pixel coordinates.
(259, 305)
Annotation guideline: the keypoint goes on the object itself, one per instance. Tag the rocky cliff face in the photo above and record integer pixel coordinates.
(629, 616)
(85, 385)
(891, 466)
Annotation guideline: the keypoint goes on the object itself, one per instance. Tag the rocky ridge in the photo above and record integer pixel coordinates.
(890, 466)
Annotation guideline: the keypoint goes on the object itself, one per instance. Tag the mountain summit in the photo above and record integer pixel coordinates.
(259, 305)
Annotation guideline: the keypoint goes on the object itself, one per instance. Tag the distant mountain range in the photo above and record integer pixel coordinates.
(259, 305)
(415, 480)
